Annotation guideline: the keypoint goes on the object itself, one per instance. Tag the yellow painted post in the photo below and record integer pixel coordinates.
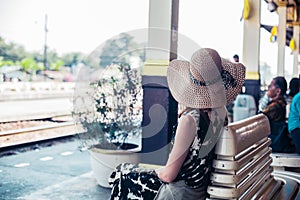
(281, 37)
(159, 107)
(251, 47)
(296, 32)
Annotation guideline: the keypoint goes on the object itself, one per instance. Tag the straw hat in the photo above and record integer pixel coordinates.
(208, 81)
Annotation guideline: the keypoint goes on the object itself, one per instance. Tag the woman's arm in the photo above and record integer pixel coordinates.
(184, 137)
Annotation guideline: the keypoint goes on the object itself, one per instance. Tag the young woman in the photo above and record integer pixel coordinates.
(294, 120)
(293, 90)
(205, 85)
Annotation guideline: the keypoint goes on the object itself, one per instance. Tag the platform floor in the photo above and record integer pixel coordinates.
(83, 187)
(51, 170)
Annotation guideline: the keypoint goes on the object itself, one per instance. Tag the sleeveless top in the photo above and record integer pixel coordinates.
(196, 168)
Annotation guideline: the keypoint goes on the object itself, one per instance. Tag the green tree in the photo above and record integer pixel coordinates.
(120, 50)
(11, 51)
(52, 57)
(71, 59)
(14, 54)
(57, 65)
(5, 62)
(30, 65)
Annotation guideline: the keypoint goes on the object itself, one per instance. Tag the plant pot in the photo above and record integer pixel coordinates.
(104, 161)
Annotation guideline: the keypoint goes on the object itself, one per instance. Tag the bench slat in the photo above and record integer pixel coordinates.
(289, 189)
(268, 190)
(243, 170)
(242, 134)
(286, 160)
(234, 165)
(253, 183)
(237, 176)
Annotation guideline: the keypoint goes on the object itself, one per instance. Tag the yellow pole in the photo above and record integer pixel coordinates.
(281, 37)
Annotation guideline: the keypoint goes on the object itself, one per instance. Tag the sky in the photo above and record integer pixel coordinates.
(82, 25)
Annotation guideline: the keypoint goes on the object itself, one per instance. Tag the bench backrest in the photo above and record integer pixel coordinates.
(242, 168)
(243, 134)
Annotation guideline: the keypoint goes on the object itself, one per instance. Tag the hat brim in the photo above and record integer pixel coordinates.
(238, 72)
(195, 96)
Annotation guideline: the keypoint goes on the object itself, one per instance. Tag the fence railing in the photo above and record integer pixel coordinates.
(35, 90)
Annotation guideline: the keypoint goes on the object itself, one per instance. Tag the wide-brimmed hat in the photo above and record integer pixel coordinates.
(207, 81)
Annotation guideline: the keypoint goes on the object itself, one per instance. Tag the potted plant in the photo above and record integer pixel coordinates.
(109, 112)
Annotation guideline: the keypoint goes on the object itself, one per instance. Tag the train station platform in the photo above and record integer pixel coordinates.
(53, 169)
(47, 170)
(82, 187)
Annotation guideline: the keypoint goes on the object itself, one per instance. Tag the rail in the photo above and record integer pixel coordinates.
(33, 120)
(37, 133)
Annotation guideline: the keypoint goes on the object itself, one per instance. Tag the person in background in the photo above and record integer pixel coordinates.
(293, 90)
(294, 120)
(293, 87)
(236, 58)
(204, 86)
(276, 112)
(230, 106)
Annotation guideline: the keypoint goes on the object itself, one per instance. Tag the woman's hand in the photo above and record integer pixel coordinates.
(162, 174)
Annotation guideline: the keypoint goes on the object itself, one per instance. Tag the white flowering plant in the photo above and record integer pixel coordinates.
(114, 113)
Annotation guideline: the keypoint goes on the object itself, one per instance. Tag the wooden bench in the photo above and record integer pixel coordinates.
(242, 169)
(286, 161)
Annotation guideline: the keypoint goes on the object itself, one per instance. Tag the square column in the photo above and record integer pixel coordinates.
(251, 47)
(159, 107)
(281, 37)
(296, 32)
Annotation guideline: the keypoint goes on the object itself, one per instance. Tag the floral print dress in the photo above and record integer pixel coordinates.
(130, 181)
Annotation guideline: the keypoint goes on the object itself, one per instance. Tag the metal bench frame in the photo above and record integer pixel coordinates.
(242, 169)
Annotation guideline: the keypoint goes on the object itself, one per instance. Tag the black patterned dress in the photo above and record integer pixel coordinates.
(129, 181)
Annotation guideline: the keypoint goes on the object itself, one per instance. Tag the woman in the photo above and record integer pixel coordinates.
(293, 90)
(293, 87)
(205, 86)
(276, 113)
(294, 120)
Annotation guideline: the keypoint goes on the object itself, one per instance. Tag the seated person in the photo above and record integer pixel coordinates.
(276, 113)
(294, 121)
(293, 90)
(204, 85)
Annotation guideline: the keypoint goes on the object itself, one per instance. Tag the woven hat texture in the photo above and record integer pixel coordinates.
(207, 81)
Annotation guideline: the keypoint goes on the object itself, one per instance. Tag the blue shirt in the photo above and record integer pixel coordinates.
(294, 116)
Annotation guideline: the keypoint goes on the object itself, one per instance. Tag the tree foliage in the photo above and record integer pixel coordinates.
(29, 64)
(120, 50)
(14, 54)
(11, 51)
(71, 59)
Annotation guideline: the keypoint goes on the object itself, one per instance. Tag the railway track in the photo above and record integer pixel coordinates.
(33, 120)
(16, 133)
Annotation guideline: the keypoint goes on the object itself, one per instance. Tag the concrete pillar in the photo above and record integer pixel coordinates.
(159, 107)
(251, 46)
(296, 32)
(281, 37)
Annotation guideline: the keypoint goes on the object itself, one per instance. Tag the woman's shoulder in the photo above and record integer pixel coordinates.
(193, 113)
(297, 96)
